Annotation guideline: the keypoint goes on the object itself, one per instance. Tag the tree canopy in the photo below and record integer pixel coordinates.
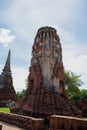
(73, 84)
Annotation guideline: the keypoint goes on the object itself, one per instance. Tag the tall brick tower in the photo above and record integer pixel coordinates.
(7, 92)
(46, 93)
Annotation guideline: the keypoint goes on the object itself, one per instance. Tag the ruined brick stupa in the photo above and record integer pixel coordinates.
(46, 93)
(7, 92)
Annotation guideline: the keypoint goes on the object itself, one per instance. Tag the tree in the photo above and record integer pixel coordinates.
(84, 93)
(73, 82)
(20, 94)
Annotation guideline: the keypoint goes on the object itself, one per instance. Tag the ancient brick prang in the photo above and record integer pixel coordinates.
(46, 93)
(7, 92)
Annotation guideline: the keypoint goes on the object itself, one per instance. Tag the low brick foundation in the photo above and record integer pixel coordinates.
(56, 122)
(25, 122)
(67, 123)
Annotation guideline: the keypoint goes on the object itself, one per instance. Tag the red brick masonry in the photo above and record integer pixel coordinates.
(28, 123)
(56, 122)
(67, 123)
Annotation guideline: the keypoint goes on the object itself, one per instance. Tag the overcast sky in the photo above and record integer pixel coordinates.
(19, 22)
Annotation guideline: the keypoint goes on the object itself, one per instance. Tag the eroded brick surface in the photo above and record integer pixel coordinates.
(7, 91)
(67, 123)
(25, 122)
(46, 93)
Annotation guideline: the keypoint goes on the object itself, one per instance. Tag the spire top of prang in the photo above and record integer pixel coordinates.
(7, 64)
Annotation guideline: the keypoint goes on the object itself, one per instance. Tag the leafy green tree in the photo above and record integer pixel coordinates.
(73, 82)
(84, 93)
(20, 94)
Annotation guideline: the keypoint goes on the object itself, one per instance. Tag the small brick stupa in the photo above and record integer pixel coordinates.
(7, 92)
(46, 93)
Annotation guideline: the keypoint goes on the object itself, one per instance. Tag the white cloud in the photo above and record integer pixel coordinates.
(1, 66)
(74, 54)
(6, 37)
(25, 16)
(19, 75)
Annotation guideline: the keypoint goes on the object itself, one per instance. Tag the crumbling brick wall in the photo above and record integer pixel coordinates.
(67, 123)
(56, 122)
(25, 122)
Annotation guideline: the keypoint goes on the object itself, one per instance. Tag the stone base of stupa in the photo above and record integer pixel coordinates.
(43, 103)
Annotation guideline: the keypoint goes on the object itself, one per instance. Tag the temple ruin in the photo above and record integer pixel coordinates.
(7, 92)
(46, 93)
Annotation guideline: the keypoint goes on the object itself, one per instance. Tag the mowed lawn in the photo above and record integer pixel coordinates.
(4, 109)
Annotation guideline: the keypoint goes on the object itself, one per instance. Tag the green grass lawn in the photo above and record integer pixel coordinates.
(4, 109)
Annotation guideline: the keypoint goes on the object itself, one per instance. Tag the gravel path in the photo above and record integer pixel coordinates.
(7, 126)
